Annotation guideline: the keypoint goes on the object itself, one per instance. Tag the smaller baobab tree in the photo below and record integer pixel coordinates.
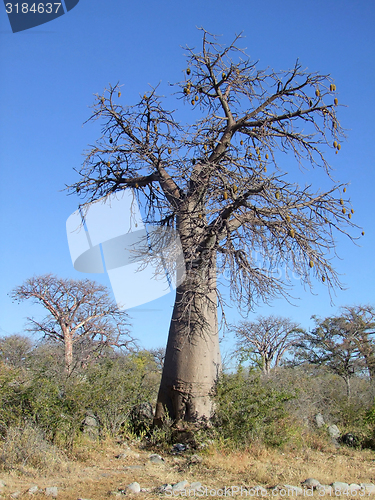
(268, 337)
(81, 316)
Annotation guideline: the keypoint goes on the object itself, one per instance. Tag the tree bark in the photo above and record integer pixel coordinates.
(68, 344)
(192, 361)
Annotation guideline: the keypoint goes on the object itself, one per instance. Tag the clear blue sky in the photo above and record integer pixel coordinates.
(50, 73)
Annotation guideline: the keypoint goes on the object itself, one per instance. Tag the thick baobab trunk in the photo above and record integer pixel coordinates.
(192, 361)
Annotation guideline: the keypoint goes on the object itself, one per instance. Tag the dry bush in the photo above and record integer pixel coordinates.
(27, 446)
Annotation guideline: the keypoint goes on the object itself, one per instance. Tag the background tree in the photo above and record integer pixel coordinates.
(327, 345)
(268, 337)
(15, 350)
(81, 315)
(358, 323)
(221, 183)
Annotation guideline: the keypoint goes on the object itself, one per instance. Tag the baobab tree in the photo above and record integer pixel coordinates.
(81, 315)
(219, 182)
(268, 337)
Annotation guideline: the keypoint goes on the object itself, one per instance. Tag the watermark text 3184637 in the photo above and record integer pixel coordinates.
(27, 14)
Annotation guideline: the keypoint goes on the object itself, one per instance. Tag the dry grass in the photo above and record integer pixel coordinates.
(94, 471)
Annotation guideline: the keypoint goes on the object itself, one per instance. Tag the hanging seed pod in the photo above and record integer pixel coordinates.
(277, 195)
(317, 92)
(144, 96)
(241, 142)
(323, 278)
(287, 218)
(193, 102)
(119, 94)
(335, 144)
(311, 264)
(349, 216)
(110, 140)
(136, 185)
(78, 189)
(343, 210)
(336, 101)
(352, 211)
(224, 76)
(341, 201)
(363, 233)
(292, 233)
(331, 87)
(265, 169)
(225, 195)
(200, 216)
(344, 190)
(196, 98)
(334, 87)
(205, 147)
(169, 151)
(267, 156)
(188, 71)
(155, 128)
(339, 146)
(235, 188)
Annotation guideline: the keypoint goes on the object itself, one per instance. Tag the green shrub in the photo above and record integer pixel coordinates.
(248, 408)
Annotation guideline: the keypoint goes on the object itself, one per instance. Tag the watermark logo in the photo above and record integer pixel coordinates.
(143, 262)
(26, 14)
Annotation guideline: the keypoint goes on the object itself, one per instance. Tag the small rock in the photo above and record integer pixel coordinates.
(180, 486)
(156, 459)
(179, 448)
(195, 486)
(334, 432)
(369, 488)
(339, 486)
(133, 488)
(164, 487)
(195, 459)
(319, 420)
(33, 489)
(15, 494)
(51, 491)
(311, 483)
